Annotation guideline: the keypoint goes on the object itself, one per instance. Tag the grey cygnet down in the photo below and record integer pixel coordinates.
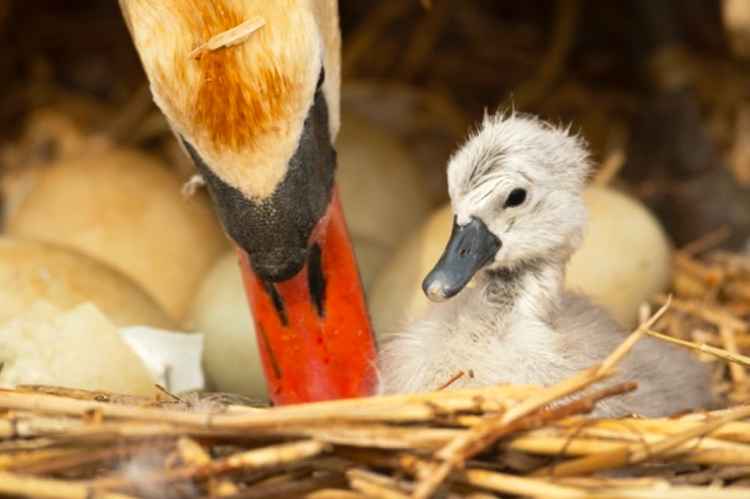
(517, 323)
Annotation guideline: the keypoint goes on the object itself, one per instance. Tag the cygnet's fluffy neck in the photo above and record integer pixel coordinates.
(532, 288)
(499, 329)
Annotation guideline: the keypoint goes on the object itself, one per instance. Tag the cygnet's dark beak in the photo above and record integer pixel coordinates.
(470, 247)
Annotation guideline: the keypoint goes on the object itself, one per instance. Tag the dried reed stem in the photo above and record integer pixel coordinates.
(230, 37)
(704, 348)
(635, 453)
(374, 485)
(708, 313)
(25, 486)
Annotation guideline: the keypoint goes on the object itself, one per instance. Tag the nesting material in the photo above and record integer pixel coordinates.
(521, 440)
(78, 348)
(526, 441)
(32, 271)
(231, 37)
(124, 208)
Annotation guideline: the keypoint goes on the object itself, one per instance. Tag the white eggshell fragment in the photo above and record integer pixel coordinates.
(173, 358)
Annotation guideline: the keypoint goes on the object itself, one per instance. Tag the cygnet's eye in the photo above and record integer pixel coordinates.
(515, 198)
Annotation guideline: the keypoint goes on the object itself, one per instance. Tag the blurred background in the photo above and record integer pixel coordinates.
(659, 88)
(663, 82)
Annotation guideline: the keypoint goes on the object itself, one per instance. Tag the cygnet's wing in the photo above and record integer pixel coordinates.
(670, 379)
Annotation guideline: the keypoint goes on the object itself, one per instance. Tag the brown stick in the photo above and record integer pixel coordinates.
(486, 433)
(267, 457)
(395, 408)
(631, 454)
(374, 485)
(24, 486)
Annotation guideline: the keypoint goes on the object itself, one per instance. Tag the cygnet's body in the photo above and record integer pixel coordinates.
(516, 192)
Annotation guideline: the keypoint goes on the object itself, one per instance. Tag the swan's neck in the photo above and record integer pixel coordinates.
(531, 289)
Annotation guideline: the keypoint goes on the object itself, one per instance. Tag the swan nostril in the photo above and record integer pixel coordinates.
(463, 252)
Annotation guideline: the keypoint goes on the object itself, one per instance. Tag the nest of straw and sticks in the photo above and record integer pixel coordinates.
(504, 440)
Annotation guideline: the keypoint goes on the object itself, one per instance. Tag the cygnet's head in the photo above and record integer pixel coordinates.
(515, 189)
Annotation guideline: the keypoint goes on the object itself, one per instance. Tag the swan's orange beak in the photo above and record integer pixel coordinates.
(313, 329)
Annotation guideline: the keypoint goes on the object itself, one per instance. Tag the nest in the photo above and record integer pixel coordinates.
(510, 440)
